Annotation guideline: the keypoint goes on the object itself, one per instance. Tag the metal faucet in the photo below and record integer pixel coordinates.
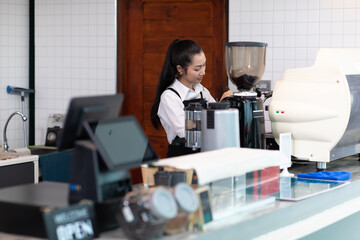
(5, 145)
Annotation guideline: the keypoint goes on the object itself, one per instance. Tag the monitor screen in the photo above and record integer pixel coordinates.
(121, 142)
(87, 109)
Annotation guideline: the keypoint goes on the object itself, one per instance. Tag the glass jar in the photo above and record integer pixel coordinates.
(193, 126)
(187, 202)
(144, 213)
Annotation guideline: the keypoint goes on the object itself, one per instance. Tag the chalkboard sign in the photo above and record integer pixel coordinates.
(74, 222)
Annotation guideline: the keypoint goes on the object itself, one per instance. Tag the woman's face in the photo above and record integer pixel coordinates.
(195, 71)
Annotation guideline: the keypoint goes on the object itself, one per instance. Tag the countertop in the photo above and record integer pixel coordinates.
(312, 218)
(283, 217)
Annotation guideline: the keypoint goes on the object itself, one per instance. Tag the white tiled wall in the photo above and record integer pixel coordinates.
(75, 54)
(294, 29)
(14, 65)
(76, 50)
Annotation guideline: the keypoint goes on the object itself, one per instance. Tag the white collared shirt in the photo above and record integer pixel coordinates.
(171, 108)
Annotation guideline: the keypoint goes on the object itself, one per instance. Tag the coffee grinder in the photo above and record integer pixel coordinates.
(245, 65)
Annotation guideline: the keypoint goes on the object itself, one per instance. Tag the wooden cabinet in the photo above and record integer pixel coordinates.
(21, 170)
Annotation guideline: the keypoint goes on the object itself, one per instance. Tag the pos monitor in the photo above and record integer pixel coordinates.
(121, 142)
(87, 109)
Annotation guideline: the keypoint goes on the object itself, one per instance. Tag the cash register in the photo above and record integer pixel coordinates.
(105, 146)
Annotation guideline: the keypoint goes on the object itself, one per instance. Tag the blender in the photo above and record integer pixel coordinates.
(245, 65)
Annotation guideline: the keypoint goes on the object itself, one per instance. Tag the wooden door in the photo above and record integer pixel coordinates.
(145, 29)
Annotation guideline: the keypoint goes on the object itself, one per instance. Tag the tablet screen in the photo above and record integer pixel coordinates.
(122, 143)
(295, 189)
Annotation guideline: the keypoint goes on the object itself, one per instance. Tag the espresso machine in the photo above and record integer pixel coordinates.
(320, 106)
(245, 65)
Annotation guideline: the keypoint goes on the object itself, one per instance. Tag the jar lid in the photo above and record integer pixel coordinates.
(186, 197)
(245, 94)
(194, 106)
(246, 44)
(162, 204)
(219, 105)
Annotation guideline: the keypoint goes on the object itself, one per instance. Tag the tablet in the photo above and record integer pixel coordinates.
(121, 142)
(295, 189)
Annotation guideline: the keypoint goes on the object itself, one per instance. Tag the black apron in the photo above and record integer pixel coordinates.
(177, 146)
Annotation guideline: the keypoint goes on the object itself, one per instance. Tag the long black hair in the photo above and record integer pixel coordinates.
(180, 52)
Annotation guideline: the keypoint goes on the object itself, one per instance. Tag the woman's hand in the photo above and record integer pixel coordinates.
(228, 93)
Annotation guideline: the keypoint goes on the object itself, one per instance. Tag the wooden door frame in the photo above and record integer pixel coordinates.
(129, 76)
(221, 29)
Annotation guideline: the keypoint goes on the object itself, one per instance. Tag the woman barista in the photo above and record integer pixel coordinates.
(179, 84)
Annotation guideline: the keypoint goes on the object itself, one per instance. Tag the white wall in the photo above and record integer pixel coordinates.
(75, 54)
(294, 29)
(14, 65)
